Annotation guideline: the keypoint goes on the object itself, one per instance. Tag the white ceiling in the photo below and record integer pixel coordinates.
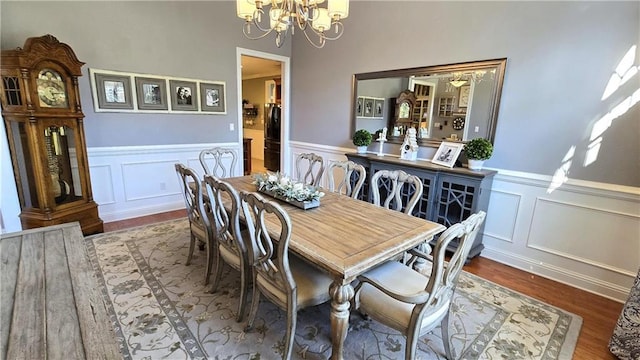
(253, 67)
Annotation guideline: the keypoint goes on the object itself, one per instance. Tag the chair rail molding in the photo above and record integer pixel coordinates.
(557, 234)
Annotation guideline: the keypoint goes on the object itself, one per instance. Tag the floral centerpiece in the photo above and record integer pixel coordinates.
(282, 187)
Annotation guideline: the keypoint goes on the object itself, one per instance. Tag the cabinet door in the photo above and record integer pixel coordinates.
(364, 192)
(423, 208)
(456, 199)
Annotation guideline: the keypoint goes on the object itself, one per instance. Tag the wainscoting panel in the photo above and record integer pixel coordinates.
(102, 184)
(507, 204)
(586, 228)
(132, 181)
(583, 234)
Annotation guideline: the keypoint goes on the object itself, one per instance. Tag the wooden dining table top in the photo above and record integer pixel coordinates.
(345, 236)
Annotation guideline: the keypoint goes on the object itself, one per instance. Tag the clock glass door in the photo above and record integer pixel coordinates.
(62, 163)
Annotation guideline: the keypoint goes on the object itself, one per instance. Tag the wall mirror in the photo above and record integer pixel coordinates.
(455, 102)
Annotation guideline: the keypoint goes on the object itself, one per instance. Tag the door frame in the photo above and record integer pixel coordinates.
(285, 62)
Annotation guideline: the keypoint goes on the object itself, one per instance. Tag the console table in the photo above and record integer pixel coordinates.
(449, 195)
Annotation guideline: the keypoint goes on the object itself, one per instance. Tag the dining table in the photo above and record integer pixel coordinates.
(346, 237)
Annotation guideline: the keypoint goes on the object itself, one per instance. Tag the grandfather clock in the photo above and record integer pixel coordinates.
(44, 124)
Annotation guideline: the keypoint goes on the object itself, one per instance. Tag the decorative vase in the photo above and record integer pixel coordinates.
(475, 164)
(362, 149)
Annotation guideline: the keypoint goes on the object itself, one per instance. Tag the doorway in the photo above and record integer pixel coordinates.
(262, 91)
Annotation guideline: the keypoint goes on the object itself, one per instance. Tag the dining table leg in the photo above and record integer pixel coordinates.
(341, 295)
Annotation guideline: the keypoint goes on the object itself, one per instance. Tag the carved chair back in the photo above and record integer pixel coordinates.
(397, 185)
(217, 156)
(199, 222)
(347, 173)
(231, 246)
(314, 169)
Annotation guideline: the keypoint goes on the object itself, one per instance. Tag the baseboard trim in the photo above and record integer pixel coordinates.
(140, 211)
(563, 276)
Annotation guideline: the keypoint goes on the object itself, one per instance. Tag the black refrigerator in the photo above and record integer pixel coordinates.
(273, 118)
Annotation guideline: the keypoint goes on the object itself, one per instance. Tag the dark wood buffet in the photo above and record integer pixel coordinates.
(449, 195)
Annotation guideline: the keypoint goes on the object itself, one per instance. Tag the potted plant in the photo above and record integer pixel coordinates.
(362, 139)
(477, 151)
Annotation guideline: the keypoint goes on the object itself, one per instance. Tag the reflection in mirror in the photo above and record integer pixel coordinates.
(456, 102)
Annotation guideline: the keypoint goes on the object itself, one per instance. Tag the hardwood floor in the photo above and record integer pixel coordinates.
(598, 313)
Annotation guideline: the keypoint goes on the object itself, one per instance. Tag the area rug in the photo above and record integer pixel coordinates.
(160, 309)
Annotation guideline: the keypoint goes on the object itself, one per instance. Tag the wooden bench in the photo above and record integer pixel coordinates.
(50, 302)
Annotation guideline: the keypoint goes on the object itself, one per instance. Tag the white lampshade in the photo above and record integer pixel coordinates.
(244, 9)
(338, 9)
(323, 21)
(274, 20)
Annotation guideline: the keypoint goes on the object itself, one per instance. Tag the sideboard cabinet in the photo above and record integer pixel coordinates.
(449, 195)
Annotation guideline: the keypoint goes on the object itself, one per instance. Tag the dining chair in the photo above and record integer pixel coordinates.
(393, 183)
(229, 239)
(282, 278)
(315, 168)
(347, 173)
(199, 222)
(402, 298)
(216, 155)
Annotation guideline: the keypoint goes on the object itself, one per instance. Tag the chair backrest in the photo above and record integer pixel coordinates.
(393, 182)
(348, 172)
(215, 155)
(315, 168)
(226, 225)
(270, 258)
(192, 191)
(444, 276)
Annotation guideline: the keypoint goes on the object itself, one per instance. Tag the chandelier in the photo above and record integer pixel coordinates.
(318, 24)
(461, 78)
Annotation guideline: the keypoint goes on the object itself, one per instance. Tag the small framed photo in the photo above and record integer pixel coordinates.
(212, 97)
(447, 153)
(359, 106)
(151, 93)
(113, 92)
(183, 95)
(378, 108)
(368, 107)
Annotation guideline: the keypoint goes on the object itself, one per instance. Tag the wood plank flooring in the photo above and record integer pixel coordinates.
(599, 314)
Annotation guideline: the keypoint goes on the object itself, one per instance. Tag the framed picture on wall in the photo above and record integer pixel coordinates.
(212, 97)
(463, 100)
(359, 106)
(183, 95)
(112, 92)
(447, 153)
(368, 107)
(378, 108)
(151, 93)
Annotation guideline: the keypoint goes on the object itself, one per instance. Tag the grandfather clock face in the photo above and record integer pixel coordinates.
(52, 92)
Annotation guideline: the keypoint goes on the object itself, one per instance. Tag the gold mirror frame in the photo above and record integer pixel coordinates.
(450, 70)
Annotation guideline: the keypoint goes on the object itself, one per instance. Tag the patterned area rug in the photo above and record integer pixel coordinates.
(160, 309)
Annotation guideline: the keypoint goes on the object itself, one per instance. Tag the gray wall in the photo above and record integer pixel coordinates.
(170, 38)
(560, 58)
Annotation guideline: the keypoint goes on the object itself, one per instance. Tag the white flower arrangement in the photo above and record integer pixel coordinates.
(282, 186)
